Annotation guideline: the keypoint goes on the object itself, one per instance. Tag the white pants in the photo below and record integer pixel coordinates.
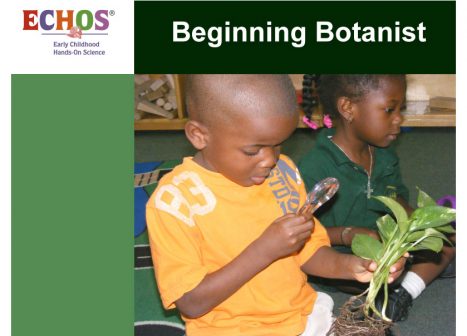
(321, 318)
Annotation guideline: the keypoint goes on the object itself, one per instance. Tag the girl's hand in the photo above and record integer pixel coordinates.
(348, 236)
(284, 236)
(363, 269)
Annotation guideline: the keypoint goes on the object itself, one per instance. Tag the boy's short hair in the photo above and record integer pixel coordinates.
(207, 95)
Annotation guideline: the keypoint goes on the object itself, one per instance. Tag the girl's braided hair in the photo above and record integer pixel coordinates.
(326, 89)
(309, 94)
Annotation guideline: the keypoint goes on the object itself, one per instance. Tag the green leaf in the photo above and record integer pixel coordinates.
(435, 233)
(367, 247)
(397, 209)
(446, 228)
(429, 243)
(414, 236)
(429, 232)
(386, 226)
(424, 200)
(431, 216)
(404, 226)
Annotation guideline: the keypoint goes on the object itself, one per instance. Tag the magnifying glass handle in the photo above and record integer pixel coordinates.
(308, 209)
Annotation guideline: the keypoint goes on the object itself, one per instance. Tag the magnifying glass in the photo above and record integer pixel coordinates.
(320, 194)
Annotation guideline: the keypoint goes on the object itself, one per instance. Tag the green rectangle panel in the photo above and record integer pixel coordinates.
(72, 205)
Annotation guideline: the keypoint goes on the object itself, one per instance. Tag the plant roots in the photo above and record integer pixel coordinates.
(353, 322)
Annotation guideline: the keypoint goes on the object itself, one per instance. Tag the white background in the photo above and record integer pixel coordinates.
(32, 52)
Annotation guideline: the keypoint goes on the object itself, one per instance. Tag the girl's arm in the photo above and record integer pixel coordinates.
(283, 237)
(343, 235)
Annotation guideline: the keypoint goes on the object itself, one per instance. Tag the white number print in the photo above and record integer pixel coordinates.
(178, 201)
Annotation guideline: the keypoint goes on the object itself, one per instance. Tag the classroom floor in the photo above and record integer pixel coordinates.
(427, 160)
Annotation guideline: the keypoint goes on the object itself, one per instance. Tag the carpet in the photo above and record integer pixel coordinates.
(432, 314)
(151, 319)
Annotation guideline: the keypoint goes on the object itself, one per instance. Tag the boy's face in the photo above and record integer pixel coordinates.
(378, 117)
(247, 148)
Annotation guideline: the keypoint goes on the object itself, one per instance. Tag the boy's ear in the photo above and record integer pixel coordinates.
(197, 133)
(345, 108)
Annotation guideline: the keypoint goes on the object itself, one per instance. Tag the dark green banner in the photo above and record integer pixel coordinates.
(295, 37)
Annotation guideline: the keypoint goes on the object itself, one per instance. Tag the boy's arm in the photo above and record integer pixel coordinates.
(283, 237)
(221, 284)
(328, 263)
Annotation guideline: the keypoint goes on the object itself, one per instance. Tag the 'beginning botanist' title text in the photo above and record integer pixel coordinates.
(325, 32)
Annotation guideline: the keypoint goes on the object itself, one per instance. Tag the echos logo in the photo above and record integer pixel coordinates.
(57, 20)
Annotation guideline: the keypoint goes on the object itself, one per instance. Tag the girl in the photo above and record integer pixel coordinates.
(366, 111)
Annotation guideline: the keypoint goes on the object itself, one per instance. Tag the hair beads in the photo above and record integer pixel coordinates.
(310, 101)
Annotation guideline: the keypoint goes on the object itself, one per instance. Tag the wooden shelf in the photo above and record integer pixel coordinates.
(159, 124)
(151, 122)
(431, 119)
(436, 118)
(410, 120)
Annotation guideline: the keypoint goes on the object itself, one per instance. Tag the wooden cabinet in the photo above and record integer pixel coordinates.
(153, 122)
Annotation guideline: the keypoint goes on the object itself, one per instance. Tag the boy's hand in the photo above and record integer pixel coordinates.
(285, 236)
(363, 269)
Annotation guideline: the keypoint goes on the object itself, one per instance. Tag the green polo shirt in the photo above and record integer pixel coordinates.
(351, 206)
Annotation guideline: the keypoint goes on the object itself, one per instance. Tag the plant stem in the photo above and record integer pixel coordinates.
(395, 250)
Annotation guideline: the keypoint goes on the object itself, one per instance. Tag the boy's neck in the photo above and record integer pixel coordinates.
(199, 159)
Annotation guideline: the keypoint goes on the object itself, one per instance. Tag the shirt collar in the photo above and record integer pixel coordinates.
(324, 140)
(386, 157)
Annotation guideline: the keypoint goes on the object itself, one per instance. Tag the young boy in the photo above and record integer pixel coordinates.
(229, 250)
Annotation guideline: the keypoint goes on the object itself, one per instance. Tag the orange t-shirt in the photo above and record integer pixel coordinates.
(198, 221)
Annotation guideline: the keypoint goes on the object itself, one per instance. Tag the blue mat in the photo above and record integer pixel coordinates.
(142, 197)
